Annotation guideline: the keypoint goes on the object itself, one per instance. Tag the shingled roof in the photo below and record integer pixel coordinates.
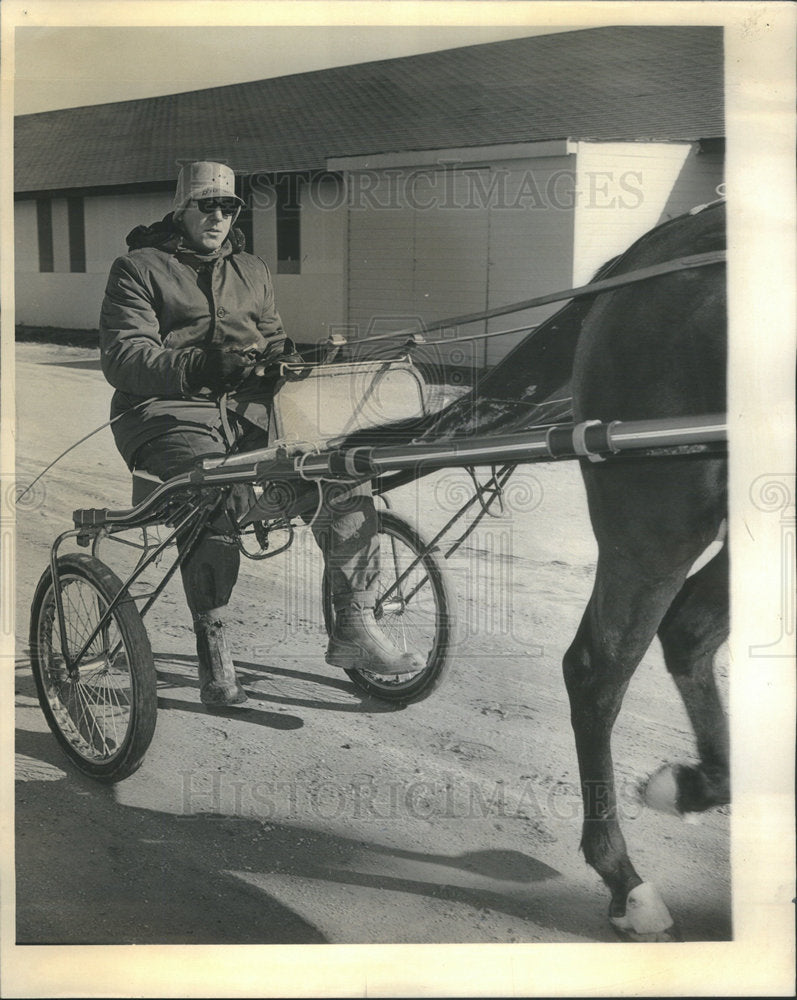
(613, 83)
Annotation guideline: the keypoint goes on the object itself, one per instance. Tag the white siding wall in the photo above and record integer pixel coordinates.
(417, 251)
(109, 218)
(309, 302)
(697, 184)
(62, 300)
(451, 253)
(312, 302)
(264, 226)
(73, 300)
(432, 244)
(381, 264)
(411, 246)
(531, 242)
(625, 189)
(26, 244)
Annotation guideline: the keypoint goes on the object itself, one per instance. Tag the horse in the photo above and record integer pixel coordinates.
(653, 348)
(656, 349)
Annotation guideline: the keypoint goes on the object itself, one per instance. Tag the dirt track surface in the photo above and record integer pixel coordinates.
(320, 815)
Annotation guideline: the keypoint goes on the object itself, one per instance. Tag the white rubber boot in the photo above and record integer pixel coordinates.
(358, 643)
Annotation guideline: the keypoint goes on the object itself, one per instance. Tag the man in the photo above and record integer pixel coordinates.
(186, 314)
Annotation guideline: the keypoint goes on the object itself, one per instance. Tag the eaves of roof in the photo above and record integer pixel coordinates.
(626, 84)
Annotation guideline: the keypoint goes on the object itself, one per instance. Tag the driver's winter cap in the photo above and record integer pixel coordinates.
(203, 179)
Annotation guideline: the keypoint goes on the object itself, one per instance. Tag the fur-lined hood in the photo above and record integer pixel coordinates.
(166, 235)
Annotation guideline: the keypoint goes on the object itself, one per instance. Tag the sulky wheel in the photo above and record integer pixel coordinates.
(416, 606)
(103, 711)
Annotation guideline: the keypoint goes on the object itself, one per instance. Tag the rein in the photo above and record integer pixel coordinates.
(580, 291)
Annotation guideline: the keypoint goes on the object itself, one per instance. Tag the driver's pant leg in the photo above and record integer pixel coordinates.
(345, 528)
(210, 570)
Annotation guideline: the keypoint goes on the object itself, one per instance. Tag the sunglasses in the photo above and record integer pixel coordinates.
(228, 206)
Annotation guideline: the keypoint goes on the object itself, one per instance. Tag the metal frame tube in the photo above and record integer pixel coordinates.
(590, 439)
(199, 515)
(563, 441)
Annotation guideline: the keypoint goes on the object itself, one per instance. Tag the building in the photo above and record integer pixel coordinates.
(393, 193)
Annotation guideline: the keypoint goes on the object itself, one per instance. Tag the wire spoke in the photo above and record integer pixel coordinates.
(94, 706)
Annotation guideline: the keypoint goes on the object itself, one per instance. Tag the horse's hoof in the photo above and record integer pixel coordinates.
(660, 791)
(646, 918)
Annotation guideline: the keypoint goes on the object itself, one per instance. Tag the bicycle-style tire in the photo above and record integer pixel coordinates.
(103, 716)
(424, 622)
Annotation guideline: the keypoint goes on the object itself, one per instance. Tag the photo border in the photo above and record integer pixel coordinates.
(761, 264)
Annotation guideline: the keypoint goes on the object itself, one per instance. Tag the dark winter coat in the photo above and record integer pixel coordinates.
(162, 299)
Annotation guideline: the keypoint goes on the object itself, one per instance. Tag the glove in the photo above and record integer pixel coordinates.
(290, 355)
(274, 354)
(216, 368)
(270, 360)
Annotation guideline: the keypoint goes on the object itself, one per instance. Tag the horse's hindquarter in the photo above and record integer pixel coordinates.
(654, 350)
(657, 349)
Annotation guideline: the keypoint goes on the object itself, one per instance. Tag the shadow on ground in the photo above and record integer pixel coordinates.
(113, 874)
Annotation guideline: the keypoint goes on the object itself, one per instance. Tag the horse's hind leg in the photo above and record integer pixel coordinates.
(618, 626)
(692, 631)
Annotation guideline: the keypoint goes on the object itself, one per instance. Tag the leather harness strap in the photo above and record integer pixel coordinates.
(580, 291)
